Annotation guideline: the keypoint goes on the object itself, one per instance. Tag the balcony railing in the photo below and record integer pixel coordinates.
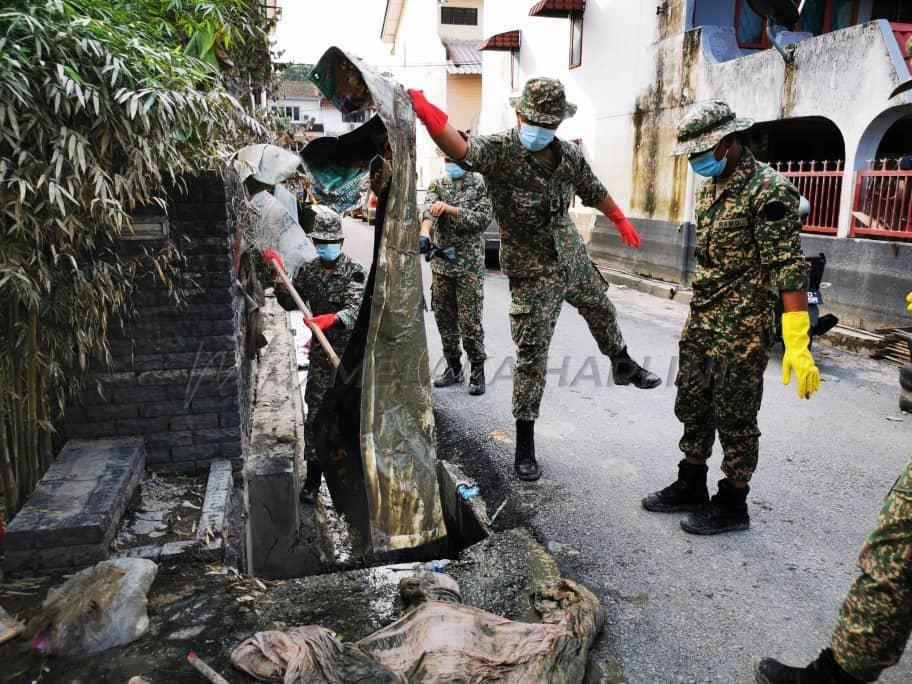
(821, 183)
(883, 201)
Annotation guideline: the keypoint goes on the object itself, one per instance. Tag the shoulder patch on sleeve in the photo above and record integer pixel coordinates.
(432, 186)
(775, 210)
(358, 276)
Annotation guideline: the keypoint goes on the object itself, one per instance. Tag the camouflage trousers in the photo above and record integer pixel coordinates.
(457, 302)
(535, 304)
(721, 391)
(876, 617)
(321, 376)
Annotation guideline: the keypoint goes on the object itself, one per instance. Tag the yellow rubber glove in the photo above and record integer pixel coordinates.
(909, 301)
(795, 328)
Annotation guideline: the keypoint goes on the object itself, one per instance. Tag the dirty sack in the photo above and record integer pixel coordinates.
(96, 609)
(439, 641)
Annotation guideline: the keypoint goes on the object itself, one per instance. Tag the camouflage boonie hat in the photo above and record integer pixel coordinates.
(705, 125)
(327, 225)
(543, 101)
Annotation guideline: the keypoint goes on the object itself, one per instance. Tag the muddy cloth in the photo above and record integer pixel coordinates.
(307, 655)
(375, 428)
(441, 641)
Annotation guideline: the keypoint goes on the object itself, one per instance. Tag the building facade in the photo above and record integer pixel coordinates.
(821, 100)
(433, 47)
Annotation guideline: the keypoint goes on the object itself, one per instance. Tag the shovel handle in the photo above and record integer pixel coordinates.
(308, 316)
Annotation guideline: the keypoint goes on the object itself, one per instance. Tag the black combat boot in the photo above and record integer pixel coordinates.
(687, 493)
(312, 483)
(626, 371)
(824, 670)
(477, 379)
(525, 465)
(726, 512)
(452, 375)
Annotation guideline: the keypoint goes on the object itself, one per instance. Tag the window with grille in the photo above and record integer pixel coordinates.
(817, 17)
(459, 16)
(286, 112)
(356, 117)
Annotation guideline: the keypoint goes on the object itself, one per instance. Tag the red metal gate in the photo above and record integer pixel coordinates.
(883, 202)
(821, 183)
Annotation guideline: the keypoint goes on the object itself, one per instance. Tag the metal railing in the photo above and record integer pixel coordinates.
(883, 201)
(821, 183)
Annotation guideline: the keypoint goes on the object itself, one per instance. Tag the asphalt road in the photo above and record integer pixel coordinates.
(681, 608)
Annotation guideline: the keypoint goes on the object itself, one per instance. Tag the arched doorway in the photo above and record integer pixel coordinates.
(810, 152)
(882, 205)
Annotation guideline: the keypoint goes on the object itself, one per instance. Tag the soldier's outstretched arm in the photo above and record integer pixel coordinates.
(435, 120)
(628, 233)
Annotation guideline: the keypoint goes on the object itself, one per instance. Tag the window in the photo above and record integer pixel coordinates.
(356, 117)
(514, 69)
(822, 16)
(286, 112)
(459, 16)
(892, 10)
(817, 17)
(576, 40)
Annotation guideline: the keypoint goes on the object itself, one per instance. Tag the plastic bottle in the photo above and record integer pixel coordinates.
(467, 491)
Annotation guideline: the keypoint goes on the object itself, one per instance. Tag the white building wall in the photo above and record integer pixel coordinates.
(640, 73)
(418, 60)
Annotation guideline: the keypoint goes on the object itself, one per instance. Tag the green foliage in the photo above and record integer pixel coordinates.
(102, 106)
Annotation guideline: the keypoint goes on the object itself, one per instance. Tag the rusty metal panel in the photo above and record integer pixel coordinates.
(376, 433)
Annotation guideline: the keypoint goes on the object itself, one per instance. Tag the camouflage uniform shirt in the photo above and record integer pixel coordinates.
(748, 251)
(338, 292)
(537, 235)
(464, 231)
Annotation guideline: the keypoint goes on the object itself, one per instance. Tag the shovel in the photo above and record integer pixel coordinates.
(275, 262)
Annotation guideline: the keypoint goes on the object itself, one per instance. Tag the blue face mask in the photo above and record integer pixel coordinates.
(454, 171)
(535, 138)
(707, 165)
(329, 251)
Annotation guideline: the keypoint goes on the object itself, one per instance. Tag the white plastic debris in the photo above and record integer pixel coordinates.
(96, 609)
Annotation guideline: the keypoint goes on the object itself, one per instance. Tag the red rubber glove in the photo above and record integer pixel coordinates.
(272, 259)
(324, 321)
(629, 236)
(434, 119)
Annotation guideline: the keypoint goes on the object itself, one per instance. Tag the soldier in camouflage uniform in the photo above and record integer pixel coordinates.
(332, 286)
(748, 256)
(532, 177)
(876, 616)
(459, 205)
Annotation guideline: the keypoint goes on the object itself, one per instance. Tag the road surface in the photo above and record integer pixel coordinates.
(681, 608)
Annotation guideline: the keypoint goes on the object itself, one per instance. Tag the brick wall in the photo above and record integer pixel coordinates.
(179, 378)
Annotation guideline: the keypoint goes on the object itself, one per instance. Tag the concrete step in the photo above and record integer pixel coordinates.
(658, 288)
(73, 514)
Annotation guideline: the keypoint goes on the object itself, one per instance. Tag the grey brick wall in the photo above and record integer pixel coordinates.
(179, 377)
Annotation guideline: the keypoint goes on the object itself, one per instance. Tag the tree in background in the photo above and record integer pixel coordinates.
(103, 106)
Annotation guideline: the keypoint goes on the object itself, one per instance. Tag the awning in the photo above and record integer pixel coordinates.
(557, 8)
(508, 40)
(462, 57)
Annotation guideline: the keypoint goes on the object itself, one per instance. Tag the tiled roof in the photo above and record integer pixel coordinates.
(557, 8)
(294, 84)
(508, 40)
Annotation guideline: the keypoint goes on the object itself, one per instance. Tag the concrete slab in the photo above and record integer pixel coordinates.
(73, 513)
(271, 476)
(208, 543)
